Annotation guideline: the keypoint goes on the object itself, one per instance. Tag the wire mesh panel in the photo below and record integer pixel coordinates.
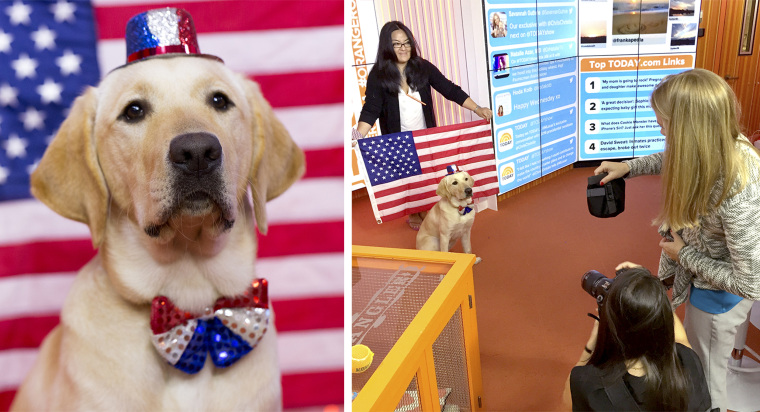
(384, 301)
(410, 401)
(451, 366)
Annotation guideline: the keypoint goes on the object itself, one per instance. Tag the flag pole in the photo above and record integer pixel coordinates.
(367, 182)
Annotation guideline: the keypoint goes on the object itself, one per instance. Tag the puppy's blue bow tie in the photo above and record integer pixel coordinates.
(228, 331)
(463, 210)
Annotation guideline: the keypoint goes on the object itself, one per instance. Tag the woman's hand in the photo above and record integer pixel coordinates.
(614, 170)
(591, 343)
(484, 113)
(672, 248)
(626, 265)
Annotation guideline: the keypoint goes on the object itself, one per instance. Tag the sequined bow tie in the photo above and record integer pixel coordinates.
(228, 331)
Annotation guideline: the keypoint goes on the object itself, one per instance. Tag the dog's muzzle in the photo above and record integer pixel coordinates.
(197, 184)
(468, 192)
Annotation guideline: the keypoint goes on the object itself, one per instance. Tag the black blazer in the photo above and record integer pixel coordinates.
(383, 104)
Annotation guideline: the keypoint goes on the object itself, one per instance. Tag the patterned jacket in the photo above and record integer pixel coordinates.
(723, 252)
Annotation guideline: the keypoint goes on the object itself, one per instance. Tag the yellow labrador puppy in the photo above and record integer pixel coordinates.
(169, 161)
(451, 218)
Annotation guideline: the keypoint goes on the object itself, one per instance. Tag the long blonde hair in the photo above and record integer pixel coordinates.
(702, 117)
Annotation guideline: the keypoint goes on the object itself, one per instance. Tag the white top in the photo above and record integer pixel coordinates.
(412, 117)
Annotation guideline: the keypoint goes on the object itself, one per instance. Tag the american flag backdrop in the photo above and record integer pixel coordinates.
(49, 51)
(403, 169)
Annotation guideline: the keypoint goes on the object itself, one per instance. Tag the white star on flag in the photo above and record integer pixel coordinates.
(19, 13)
(25, 66)
(8, 95)
(44, 39)
(5, 42)
(15, 146)
(63, 11)
(32, 119)
(69, 63)
(50, 92)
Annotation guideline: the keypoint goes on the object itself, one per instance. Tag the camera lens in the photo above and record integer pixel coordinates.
(596, 285)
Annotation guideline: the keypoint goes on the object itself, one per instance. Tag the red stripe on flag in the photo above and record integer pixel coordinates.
(26, 332)
(6, 397)
(452, 127)
(291, 315)
(298, 390)
(432, 180)
(308, 389)
(287, 90)
(71, 255)
(423, 208)
(324, 162)
(45, 257)
(460, 151)
(229, 15)
(308, 314)
(420, 196)
(301, 238)
(484, 136)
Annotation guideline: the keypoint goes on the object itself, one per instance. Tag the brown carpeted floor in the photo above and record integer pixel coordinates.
(531, 308)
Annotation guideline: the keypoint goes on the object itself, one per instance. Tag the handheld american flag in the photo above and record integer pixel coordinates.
(51, 49)
(403, 169)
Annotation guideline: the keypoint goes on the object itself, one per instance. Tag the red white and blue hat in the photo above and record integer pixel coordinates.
(451, 169)
(161, 32)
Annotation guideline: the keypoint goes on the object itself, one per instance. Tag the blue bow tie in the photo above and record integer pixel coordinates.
(463, 210)
(227, 332)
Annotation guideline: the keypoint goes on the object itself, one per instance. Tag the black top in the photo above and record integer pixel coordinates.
(589, 393)
(383, 104)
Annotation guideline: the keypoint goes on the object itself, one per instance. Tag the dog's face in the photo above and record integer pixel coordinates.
(172, 142)
(456, 186)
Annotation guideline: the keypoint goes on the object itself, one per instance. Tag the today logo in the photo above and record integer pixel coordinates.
(505, 140)
(507, 173)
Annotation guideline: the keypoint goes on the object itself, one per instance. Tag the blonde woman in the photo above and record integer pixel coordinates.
(710, 213)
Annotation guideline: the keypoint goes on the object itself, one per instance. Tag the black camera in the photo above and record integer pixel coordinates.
(596, 285)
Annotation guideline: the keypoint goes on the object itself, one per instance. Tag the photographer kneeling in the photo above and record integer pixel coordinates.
(638, 356)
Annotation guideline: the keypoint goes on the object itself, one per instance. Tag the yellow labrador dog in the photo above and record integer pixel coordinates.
(451, 218)
(169, 161)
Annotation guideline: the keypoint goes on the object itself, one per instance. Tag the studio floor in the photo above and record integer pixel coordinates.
(531, 309)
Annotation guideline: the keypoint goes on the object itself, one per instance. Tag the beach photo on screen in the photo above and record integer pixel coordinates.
(639, 17)
(682, 8)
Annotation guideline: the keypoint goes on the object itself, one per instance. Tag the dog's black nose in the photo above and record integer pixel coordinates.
(195, 153)
(468, 191)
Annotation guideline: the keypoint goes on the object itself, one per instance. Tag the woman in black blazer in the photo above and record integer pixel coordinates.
(400, 73)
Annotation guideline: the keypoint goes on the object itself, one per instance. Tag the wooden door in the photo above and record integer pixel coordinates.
(718, 51)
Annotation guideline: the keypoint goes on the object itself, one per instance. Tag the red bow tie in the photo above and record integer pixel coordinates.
(463, 210)
(228, 331)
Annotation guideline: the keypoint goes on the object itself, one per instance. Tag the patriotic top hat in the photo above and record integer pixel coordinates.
(450, 170)
(161, 32)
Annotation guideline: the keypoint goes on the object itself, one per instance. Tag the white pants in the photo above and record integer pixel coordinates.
(712, 338)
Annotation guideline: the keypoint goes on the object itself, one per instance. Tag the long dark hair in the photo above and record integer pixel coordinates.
(636, 322)
(385, 63)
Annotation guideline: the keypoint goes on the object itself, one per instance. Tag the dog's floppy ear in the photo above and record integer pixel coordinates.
(277, 161)
(68, 178)
(443, 188)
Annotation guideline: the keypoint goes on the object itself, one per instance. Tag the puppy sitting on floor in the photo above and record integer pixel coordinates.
(452, 217)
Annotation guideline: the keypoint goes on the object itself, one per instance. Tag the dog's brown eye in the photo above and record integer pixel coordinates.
(133, 112)
(455, 182)
(220, 102)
